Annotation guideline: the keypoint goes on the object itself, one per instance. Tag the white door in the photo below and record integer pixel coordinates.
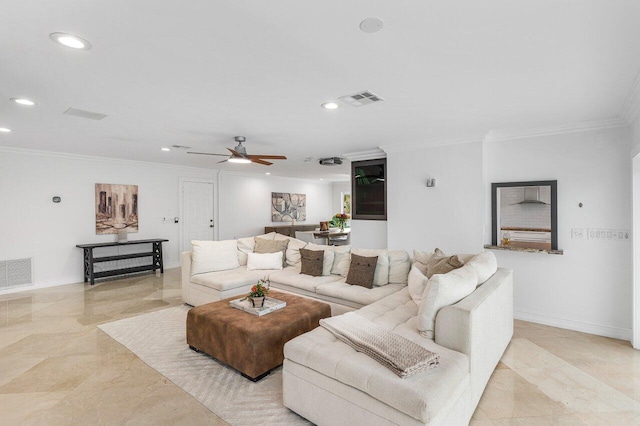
(197, 202)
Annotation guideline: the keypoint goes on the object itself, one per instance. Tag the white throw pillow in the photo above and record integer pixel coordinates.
(399, 266)
(247, 244)
(381, 276)
(264, 261)
(417, 282)
(485, 265)
(327, 260)
(444, 290)
(341, 260)
(211, 256)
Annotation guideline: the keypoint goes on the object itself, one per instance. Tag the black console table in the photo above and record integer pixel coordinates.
(90, 260)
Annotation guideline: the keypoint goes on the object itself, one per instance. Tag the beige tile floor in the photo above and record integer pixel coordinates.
(57, 368)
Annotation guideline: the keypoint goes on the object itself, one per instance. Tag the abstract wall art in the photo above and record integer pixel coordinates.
(287, 207)
(116, 208)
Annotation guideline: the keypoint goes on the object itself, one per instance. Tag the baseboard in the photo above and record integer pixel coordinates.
(44, 284)
(570, 324)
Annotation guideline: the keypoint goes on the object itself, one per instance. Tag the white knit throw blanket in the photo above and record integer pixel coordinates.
(398, 354)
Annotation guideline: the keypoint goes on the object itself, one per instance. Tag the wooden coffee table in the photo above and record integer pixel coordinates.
(251, 344)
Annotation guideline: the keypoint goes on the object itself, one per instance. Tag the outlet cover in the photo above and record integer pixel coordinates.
(577, 233)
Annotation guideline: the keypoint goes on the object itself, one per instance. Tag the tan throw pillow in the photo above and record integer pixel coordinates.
(440, 263)
(361, 270)
(312, 261)
(272, 246)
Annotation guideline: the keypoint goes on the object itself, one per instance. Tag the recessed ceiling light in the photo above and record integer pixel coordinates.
(268, 174)
(166, 149)
(70, 40)
(23, 101)
(321, 179)
(4, 130)
(239, 160)
(371, 25)
(330, 105)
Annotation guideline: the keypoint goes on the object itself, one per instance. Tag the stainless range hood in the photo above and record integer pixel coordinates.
(531, 195)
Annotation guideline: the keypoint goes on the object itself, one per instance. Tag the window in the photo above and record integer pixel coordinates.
(369, 189)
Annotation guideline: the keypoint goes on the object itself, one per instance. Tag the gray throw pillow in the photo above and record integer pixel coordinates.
(272, 246)
(311, 261)
(362, 270)
(441, 263)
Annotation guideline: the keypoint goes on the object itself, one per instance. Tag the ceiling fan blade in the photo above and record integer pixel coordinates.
(223, 161)
(234, 152)
(259, 161)
(206, 153)
(268, 157)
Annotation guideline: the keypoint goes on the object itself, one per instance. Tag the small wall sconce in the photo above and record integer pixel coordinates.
(431, 182)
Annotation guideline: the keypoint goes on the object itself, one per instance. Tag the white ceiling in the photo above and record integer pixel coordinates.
(199, 72)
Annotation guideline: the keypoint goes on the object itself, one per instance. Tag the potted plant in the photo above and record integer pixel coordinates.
(258, 293)
(340, 219)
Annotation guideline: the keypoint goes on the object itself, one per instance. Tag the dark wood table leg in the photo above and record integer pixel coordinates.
(158, 262)
(90, 261)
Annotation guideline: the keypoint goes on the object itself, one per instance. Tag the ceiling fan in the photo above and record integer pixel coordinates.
(239, 155)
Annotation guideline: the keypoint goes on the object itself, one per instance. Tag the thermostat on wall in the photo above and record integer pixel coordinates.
(56, 199)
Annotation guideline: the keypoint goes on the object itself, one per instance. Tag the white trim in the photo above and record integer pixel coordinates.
(216, 221)
(576, 325)
(370, 154)
(431, 144)
(585, 126)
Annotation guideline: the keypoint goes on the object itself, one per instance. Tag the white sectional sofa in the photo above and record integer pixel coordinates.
(320, 371)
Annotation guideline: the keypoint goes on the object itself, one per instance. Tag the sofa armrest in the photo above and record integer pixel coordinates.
(480, 326)
(185, 263)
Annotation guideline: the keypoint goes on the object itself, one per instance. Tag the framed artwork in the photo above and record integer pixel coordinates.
(116, 208)
(287, 207)
(346, 203)
(525, 215)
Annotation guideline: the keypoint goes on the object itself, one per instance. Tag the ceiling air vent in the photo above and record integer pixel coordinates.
(85, 114)
(360, 99)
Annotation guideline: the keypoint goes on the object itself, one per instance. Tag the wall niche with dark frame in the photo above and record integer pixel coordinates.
(524, 216)
(369, 189)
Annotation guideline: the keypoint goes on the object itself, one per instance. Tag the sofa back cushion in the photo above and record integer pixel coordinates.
(362, 270)
(485, 265)
(271, 246)
(417, 283)
(264, 261)
(444, 290)
(292, 253)
(399, 266)
(381, 276)
(246, 245)
(212, 256)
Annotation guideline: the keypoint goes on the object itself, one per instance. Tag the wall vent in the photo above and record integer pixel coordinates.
(14, 273)
(85, 114)
(361, 99)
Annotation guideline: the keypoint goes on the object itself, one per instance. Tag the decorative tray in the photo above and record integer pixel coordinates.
(270, 305)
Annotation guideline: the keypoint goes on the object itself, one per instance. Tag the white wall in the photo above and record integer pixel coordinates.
(448, 216)
(244, 203)
(31, 225)
(589, 287)
(337, 188)
(371, 234)
(636, 252)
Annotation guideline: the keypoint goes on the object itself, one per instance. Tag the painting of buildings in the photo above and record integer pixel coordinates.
(116, 208)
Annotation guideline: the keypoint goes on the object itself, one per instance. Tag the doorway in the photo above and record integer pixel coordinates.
(197, 210)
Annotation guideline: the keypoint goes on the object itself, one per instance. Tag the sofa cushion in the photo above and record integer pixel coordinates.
(440, 263)
(329, 255)
(230, 279)
(211, 256)
(399, 266)
(382, 268)
(311, 263)
(271, 246)
(293, 249)
(485, 265)
(291, 277)
(362, 270)
(340, 290)
(417, 283)
(444, 290)
(422, 396)
(264, 261)
(246, 245)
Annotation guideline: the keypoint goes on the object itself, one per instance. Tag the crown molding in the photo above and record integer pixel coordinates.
(631, 108)
(431, 144)
(370, 154)
(108, 160)
(585, 126)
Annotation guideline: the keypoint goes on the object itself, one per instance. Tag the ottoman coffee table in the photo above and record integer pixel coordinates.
(252, 344)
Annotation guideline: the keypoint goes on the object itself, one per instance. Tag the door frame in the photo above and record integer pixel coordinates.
(181, 182)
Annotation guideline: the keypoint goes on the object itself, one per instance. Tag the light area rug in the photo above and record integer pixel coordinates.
(159, 339)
